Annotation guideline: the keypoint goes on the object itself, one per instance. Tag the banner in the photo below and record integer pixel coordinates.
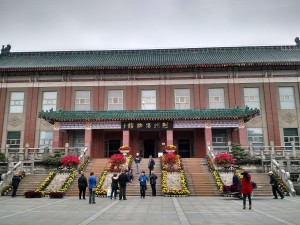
(147, 125)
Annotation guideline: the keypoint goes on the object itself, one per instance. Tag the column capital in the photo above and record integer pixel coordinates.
(56, 126)
(88, 126)
(208, 124)
(241, 124)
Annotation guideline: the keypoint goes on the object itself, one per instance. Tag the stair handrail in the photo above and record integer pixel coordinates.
(83, 155)
(6, 178)
(277, 168)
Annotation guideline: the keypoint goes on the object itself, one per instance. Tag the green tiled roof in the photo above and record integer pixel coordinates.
(129, 115)
(205, 57)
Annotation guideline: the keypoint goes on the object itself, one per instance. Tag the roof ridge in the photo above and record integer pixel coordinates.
(156, 51)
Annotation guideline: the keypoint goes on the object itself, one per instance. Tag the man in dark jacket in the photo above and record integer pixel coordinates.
(15, 183)
(82, 184)
(275, 187)
(123, 179)
(153, 179)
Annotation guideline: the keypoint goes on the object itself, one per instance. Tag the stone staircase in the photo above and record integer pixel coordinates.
(262, 181)
(30, 183)
(133, 189)
(200, 181)
(95, 165)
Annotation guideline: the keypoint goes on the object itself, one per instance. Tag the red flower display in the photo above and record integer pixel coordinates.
(169, 159)
(224, 159)
(117, 160)
(69, 160)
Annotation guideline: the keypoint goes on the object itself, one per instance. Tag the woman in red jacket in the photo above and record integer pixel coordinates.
(246, 188)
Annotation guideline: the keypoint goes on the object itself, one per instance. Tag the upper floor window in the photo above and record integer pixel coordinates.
(255, 136)
(182, 98)
(16, 102)
(49, 100)
(148, 99)
(115, 100)
(216, 98)
(287, 98)
(46, 139)
(251, 97)
(82, 100)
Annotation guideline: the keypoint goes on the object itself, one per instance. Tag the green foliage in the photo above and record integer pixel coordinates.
(241, 157)
(53, 160)
(2, 157)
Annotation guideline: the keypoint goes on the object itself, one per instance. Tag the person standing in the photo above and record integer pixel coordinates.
(114, 186)
(82, 184)
(143, 182)
(137, 160)
(275, 186)
(153, 179)
(123, 179)
(246, 189)
(92, 188)
(15, 183)
(151, 164)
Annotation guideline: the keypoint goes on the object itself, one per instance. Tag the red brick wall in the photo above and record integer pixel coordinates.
(30, 117)
(197, 96)
(65, 98)
(3, 92)
(202, 97)
(270, 94)
(234, 94)
(162, 97)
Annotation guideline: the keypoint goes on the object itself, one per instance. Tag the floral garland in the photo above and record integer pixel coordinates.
(46, 182)
(82, 166)
(165, 190)
(100, 191)
(216, 175)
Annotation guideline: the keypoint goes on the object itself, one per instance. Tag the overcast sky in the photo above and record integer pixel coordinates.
(51, 25)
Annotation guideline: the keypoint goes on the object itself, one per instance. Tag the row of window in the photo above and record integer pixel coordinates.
(219, 137)
(148, 99)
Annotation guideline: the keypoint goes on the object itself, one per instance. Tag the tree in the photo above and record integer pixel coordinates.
(241, 157)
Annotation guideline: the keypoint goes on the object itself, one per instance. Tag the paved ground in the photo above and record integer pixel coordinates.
(151, 210)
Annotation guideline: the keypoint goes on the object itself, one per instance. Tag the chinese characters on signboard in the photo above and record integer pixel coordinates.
(147, 125)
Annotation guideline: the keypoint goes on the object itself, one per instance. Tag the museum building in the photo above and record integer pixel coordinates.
(147, 99)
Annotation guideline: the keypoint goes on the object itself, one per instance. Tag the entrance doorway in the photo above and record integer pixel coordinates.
(184, 148)
(112, 147)
(149, 148)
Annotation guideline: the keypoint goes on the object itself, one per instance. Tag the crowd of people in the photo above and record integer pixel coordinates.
(120, 182)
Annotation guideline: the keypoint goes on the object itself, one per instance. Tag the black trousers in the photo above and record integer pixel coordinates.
(143, 190)
(249, 199)
(82, 192)
(122, 192)
(275, 189)
(113, 192)
(153, 187)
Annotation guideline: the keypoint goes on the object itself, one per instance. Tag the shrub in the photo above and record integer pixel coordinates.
(224, 159)
(70, 161)
(241, 157)
(117, 160)
(56, 194)
(33, 194)
(2, 157)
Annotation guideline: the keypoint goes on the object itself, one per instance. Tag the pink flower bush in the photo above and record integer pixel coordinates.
(117, 160)
(69, 160)
(169, 159)
(224, 159)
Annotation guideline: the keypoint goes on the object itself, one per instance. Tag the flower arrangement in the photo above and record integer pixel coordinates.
(169, 192)
(46, 182)
(224, 159)
(116, 160)
(69, 161)
(170, 147)
(169, 160)
(33, 194)
(100, 191)
(56, 194)
(216, 175)
(124, 147)
(81, 167)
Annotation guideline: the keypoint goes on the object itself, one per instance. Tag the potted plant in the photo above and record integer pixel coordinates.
(170, 148)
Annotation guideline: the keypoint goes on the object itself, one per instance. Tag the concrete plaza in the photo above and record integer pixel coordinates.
(151, 210)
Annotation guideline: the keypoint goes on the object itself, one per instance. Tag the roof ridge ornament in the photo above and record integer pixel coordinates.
(5, 50)
(297, 40)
